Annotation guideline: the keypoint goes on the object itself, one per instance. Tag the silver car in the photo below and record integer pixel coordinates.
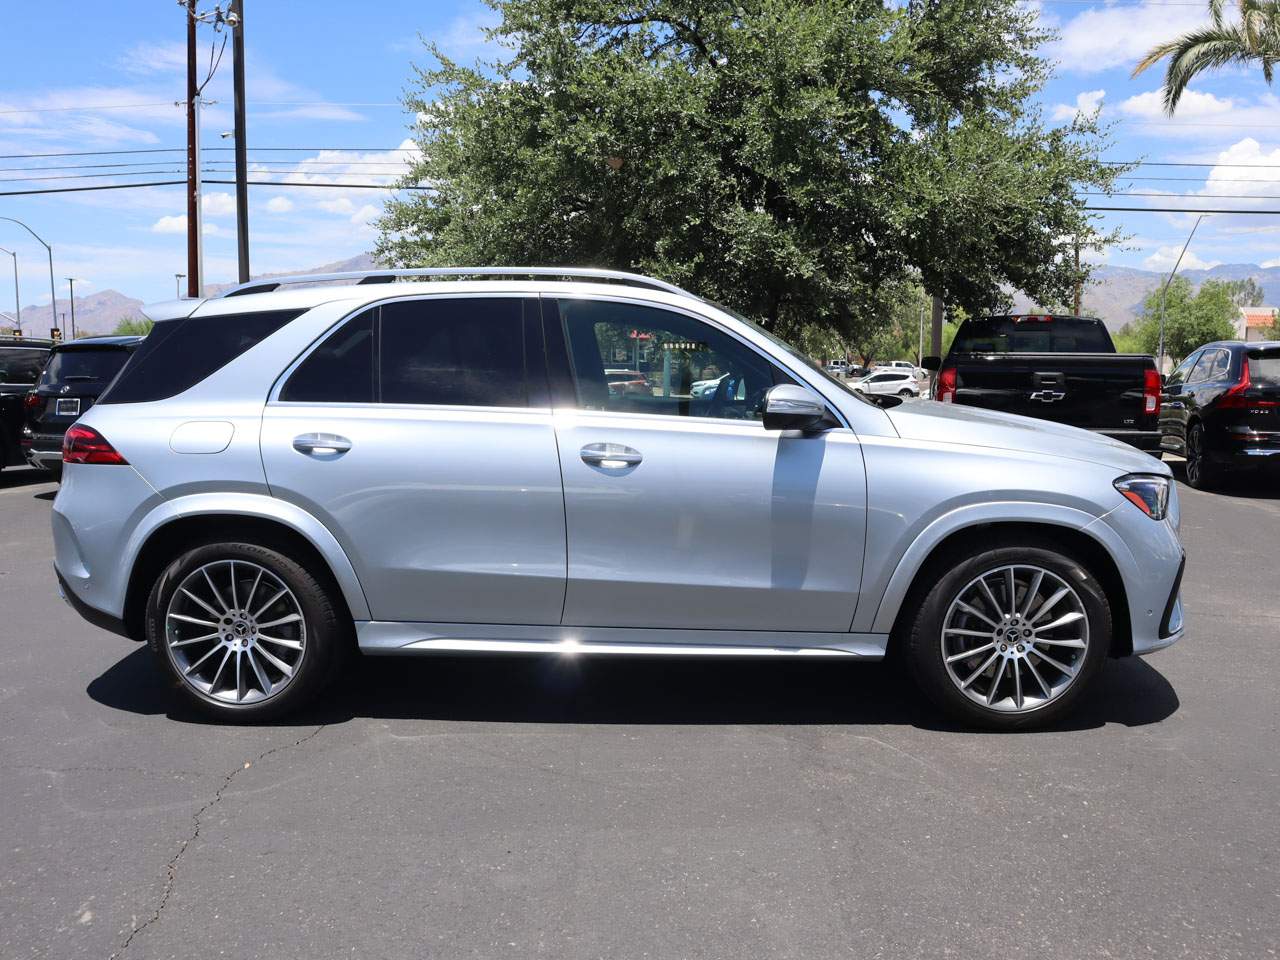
(281, 477)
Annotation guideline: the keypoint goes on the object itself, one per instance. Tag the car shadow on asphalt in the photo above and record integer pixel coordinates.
(634, 690)
(1255, 484)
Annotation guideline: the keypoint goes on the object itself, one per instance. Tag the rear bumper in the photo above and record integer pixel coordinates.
(99, 618)
(1148, 440)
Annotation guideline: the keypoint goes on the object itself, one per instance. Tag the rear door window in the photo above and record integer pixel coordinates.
(341, 369)
(178, 354)
(468, 351)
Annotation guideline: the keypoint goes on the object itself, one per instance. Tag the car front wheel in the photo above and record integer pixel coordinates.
(248, 633)
(1010, 637)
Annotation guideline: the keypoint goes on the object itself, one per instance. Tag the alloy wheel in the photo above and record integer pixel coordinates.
(1014, 638)
(235, 632)
(1195, 455)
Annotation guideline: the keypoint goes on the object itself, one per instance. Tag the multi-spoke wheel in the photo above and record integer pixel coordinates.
(246, 631)
(1202, 472)
(1015, 637)
(1010, 636)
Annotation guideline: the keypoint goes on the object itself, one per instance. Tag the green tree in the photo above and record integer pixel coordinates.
(133, 327)
(799, 162)
(1252, 40)
(1272, 330)
(1192, 317)
(1246, 292)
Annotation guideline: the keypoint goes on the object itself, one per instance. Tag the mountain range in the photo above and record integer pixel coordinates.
(1114, 293)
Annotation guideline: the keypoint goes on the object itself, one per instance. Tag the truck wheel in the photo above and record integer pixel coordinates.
(1202, 473)
(1009, 638)
(248, 633)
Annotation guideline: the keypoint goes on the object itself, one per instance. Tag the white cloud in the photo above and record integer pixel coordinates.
(1193, 105)
(279, 205)
(217, 204)
(178, 224)
(1165, 257)
(1270, 263)
(1087, 101)
(1118, 35)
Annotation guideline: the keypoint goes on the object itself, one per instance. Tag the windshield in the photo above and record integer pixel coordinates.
(1033, 335)
(792, 351)
(97, 366)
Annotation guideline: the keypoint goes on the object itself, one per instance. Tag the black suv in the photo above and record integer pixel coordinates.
(20, 363)
(75, 376)
(1221, 408)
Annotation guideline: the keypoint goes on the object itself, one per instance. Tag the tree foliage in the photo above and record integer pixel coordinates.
(133, 327)
(1246, 292)
(1192, 317)
(801, 162)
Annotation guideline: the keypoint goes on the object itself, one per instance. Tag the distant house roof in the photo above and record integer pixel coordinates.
(1258, 316)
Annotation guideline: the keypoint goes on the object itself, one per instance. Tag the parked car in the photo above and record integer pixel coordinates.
(1221, 409)
(902, 383)
(280, 477)
(918, 372)
(74, 376)
(838, 368)
(627, 381)
(1058, 368)
(21, 359)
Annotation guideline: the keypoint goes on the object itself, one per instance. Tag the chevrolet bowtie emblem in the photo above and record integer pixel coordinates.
(1048, 396)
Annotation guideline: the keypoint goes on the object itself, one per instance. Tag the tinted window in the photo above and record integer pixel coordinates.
(21, 364)
(178, 354)
(1200, 372)
(1264, 367)
(1184, 369)
(1020, 335)
(340, 370)
(463, 352)
(688, 367)
(83, 366)
(1221, 363)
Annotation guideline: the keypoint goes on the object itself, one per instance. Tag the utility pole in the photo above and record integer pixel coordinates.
(17, 300)
(195, 253)
(920, 349)
(236, 21)
(71, 282)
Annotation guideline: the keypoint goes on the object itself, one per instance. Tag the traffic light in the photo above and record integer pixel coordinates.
(55, 334)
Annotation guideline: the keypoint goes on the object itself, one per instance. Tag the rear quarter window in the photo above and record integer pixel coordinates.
(178, 354)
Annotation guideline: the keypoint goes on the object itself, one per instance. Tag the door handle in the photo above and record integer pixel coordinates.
(321, 444)
(612, 456)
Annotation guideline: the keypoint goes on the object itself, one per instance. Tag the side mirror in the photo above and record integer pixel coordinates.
(788, 407)
(931, 363)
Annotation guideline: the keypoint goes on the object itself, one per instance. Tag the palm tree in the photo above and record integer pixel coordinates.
(1255, 38)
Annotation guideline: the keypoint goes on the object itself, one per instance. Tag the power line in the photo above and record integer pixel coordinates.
(183, 150)
(179, 103)
(170, 183)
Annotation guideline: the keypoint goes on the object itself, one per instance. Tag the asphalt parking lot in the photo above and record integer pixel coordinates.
(569, 808)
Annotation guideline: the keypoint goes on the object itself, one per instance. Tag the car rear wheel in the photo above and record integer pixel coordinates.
(1010, 638)
(905, 393)
(248, 633)
(1202, 473)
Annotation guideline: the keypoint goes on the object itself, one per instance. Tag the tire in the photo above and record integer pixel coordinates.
(905, 393)
(1202, 472)
(1049, 692)
(277, 672)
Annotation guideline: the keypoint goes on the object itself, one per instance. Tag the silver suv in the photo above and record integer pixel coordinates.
(280, 477)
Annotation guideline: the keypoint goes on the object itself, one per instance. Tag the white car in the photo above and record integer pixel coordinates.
(916, 372)
(903, 383)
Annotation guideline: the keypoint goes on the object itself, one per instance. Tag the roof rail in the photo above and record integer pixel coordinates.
(389, 276)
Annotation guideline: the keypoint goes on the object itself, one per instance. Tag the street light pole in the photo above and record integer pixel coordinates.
(53, 297)
(1165, 289)
(177, 280)
(17, 301)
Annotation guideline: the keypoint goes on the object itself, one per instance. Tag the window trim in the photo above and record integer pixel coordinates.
(531, 351)
(565, 362)
(1204, 355)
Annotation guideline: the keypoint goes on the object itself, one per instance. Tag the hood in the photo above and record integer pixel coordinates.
(973, 426)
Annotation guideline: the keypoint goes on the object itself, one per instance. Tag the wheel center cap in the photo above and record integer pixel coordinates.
(240, 628)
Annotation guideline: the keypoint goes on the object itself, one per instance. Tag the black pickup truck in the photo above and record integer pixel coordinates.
(21, 360)
(1058, 368)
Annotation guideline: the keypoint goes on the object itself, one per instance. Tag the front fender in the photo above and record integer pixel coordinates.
(261, 507)
(978, 514)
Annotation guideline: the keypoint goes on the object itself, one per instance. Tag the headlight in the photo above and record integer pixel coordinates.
(1150, 494)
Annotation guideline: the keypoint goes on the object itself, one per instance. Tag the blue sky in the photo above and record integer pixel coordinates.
(330, 77)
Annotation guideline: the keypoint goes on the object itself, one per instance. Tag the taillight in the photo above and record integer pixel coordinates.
(1235, 399)
(944, 389)
(32, 400)
(1151, 392)
(87, 445)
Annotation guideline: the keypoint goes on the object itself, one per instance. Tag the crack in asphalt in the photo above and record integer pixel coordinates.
(171, 868)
